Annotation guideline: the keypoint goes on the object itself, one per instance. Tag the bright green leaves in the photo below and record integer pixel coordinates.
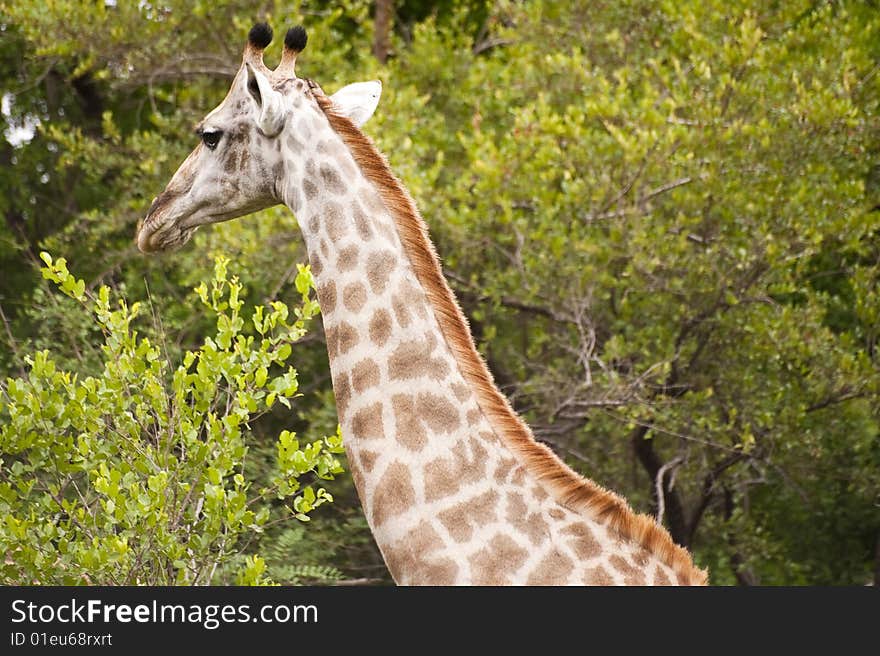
(137, 475)
(253, 572)
(293, 461)
(57, 272)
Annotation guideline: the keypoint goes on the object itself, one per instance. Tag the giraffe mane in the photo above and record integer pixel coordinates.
(569, 488)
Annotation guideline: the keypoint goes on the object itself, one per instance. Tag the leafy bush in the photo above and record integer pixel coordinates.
(137, 476)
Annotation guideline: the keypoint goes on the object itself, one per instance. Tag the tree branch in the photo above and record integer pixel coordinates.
(708, 491)
(650, 461)
(659, 487)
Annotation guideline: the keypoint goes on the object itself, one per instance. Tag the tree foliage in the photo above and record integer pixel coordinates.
(661, 219)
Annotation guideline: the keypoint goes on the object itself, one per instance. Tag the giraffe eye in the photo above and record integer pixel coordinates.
(211, 139)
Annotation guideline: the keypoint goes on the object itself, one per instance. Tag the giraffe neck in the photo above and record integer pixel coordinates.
(417, 443)
(448, 501)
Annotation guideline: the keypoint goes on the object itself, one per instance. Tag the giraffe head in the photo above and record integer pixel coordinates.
(249, 144)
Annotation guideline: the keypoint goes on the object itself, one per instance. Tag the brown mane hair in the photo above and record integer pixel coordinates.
(567, 487)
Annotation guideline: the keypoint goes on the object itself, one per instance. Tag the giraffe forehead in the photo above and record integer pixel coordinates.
(230, 112)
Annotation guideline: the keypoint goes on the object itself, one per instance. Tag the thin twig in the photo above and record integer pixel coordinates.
(658, 485)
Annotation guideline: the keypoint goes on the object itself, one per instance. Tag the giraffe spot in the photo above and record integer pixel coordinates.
(342, 392)
(310, 189)
(332, 341)
(436, 411)
(278, 167)
(582, 541)
(316, 263)
(556, 513)
(294, 144)
(334, 220)
(492, 564)
(348, 258)
(244, 157)
(502, 470)
(379, 267)
(431, 339)
(361, 222)
(332, 179)
(631, 576)
(486, 436)
(531, 524)
(303, 129)
(413, 297)
(412, 359)
(477, 511)
(340, 154)
(445, 475)
(441, 479)
(660, 577)
(325, 249)
(314, 224)
(354, 296)
(553, 569)
(340, 339)
(539, 493)
(462, 392)
(349, 170)
(327, 296)
(481, 456)
(364, 374)
(357, 477)
(394, 494)
(473, 417)
(400, 311)
(519, 476)
(412, 559)
(408, 428)
(368, 460)
(380, 327)
(366, 424)
(388, 232)
(597, 576)
(230, 164)
(370, 197)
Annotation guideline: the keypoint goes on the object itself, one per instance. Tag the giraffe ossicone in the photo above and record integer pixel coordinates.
(454, 487)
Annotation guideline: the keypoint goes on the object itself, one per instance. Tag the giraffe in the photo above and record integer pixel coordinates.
(454, 487)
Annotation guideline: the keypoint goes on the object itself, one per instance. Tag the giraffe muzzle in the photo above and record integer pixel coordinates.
(156, 236)
(164, 228)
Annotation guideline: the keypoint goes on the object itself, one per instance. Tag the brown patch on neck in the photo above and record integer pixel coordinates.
(567, 487)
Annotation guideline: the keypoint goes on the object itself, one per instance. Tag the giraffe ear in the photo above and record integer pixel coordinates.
(270, 105)
(358, 101)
